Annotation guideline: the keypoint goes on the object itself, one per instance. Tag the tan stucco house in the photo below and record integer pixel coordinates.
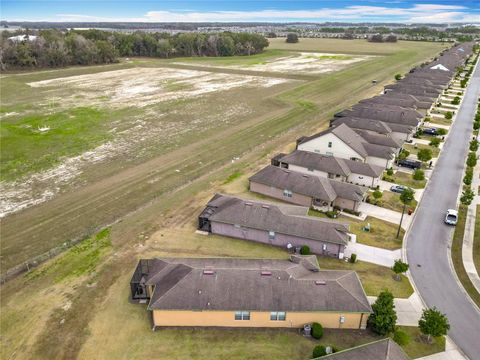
(256, 293)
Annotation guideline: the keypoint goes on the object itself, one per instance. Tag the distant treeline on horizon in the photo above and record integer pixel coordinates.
(55, 48)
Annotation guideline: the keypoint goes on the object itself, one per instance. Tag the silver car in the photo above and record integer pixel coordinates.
(452, 217)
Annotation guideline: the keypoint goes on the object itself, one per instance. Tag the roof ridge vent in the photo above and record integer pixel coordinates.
(265, 206)
(266, 273)
(305, 176)
(208, 272)
(248, 203)
(320, 282)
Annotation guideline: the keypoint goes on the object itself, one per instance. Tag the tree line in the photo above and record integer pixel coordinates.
(55, 48)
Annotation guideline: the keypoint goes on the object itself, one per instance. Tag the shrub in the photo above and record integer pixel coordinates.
(401, 337)
(317, 330)
(474, 145)
(399, 267)
(472, 159)
(441, 132)
(424, 155)
(304, 250)
(448, 115)
(476, 125)
(398, 77)
(403, 154)
(435, 142)
(292, 38)
(418, 175)
(390, 172)
(319, 351)
(467, 179)
(353, 258)
(377, 194)
(456, 100)
(463, 83)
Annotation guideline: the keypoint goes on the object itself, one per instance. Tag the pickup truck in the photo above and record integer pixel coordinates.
(412, 164)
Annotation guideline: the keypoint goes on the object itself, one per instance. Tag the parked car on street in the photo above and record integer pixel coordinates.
(430, 131)
(398, 188)
(452, 217)
(412, 164)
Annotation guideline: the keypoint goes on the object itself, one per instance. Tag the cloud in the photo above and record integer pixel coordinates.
(417, 13)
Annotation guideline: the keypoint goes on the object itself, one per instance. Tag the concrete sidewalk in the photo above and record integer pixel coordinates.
(468, 237)
(408, 310)
(385, 214)
(373, 254)
(451, 353)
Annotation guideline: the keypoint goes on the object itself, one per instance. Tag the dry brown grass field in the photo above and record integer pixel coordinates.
(142, 158)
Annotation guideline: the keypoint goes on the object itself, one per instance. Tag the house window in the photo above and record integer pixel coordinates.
(287, 193)
(342, 319)
(309, 169)
(329, 153)
(242, 315)
(271, 235)
(329, 144)
(331, 176)
(278, 316)
(316, 150)
(237, 226)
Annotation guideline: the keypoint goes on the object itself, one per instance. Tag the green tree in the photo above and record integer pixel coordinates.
(435, 142)
(467, 196)
(418, 174)
(448, 115)
(424, 155)
(399, 267)
(383, 318)
(433, 323)
(472, 159)
(292, 38)
(406, 197)
(474, 145)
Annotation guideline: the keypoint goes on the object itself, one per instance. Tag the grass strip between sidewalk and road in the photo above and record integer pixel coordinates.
(476, 241)
(457, 256)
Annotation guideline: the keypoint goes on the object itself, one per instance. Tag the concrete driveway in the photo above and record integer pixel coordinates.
(385, 214)
(373, 254)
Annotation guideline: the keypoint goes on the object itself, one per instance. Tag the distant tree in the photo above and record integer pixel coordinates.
(376, 38)
(383, 318)
(424, 155)
(271, 35)
(399, 267)
(292, 38)
(391, 38)
(433, 323)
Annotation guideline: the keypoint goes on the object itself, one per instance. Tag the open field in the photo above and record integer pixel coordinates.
(153, 189)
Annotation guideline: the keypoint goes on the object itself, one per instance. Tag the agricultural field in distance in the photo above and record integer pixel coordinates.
(139, 147)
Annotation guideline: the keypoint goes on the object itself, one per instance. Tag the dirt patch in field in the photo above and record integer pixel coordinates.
(146, 86)
(304, 63)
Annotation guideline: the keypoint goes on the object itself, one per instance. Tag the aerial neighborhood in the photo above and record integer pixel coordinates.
(240, 180)
(334, 169)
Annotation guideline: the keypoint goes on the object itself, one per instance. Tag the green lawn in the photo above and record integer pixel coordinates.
(457, 256)
(406, 179)
(391, 201)
(417, 347)
(476, 241)
(440, 121)
(413, 149)
(375, 278)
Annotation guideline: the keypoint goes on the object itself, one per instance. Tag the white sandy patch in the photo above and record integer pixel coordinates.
(146, 86)
(303, 63)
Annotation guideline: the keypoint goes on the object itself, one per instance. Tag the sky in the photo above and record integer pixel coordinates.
(419, 11)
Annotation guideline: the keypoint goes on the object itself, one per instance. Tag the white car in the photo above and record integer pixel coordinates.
(452, 217)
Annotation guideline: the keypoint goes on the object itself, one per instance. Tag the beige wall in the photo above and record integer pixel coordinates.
(257, 319)
(274, 192)
(338, 149)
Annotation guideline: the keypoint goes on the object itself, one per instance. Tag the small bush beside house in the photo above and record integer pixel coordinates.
(319, 351)
(304, 250)
(401, 337)
(317, 330)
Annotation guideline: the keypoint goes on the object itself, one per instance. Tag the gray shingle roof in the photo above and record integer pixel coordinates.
(238, 284)
(386, 114)
(331, 164)
(284, 219)
(364, 124)
(385, 349)
(309, 185)
(378, 139)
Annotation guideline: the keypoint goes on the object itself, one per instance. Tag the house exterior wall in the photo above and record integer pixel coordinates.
(316, 246)
(379, 161)
(318, 173)
(259, 319)
(278, 194)
(339, 148)
(363, 180)
(346, 204)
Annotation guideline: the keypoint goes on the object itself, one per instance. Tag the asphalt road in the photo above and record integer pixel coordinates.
(428, 239)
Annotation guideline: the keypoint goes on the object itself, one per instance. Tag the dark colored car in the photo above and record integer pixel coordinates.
(412, 164)
(397, 188)
(430, 131)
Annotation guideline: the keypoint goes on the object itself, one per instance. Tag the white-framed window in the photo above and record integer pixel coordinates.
(329, 144)
(242, 315)
(329, 153)
(309, 169)
(278, 316)
(271, 235)
(237, 226)
(287, 193)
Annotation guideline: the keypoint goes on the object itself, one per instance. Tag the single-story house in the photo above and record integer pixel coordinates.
(397, 132)
(386, 114)
(248, 293)
(286, 226)
(309, 190)
(343, 142)
(354, 172)
(385, 349)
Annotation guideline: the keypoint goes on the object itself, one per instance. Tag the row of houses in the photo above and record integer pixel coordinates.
(333, 168)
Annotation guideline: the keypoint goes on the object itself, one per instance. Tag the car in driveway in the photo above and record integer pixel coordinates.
(430, 131)
(452, 217)
(408, 163)
(397, 188)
